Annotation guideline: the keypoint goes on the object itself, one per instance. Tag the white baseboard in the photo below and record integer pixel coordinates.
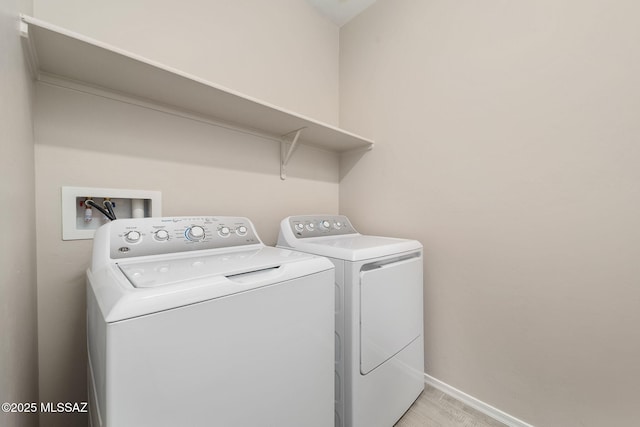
(477, 404)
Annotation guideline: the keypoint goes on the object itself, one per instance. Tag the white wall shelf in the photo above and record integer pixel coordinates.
(73, 60)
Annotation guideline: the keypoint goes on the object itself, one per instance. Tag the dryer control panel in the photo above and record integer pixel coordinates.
(152, 236)
(305, 226)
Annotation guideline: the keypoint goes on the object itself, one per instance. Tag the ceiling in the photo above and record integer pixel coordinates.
(341, 11)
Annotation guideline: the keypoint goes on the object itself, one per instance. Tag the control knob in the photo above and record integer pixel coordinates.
(325, 225)
(299, 226)
(311, 226)
(132, 237)
(195, 233)
(224, 232)
(162, 235)
(241, 231)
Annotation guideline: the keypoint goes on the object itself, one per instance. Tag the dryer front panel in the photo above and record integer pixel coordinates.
(390, 308)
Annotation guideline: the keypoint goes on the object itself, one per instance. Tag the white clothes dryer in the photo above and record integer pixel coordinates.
(193, 321)
(379, 360)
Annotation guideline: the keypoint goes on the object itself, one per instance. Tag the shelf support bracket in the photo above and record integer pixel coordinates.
(285, 154)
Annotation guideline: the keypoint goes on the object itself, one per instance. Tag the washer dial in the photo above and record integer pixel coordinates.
(195, 233)
(161, 235)
(133, 236)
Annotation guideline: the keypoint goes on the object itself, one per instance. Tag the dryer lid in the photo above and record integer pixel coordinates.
(355, 247)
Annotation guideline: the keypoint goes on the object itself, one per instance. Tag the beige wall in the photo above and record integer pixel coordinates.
(279, 51)
(507, 142)
(18, 334)
(86, 140)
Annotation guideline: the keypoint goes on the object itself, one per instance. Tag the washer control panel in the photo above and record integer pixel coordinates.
(304, 226)
(153, 236)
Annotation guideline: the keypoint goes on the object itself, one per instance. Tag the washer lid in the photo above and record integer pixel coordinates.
(163, 272)
(129, 289)
(355, 247)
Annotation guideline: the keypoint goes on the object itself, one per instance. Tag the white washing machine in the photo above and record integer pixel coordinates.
(379, 360)
(192, 321)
